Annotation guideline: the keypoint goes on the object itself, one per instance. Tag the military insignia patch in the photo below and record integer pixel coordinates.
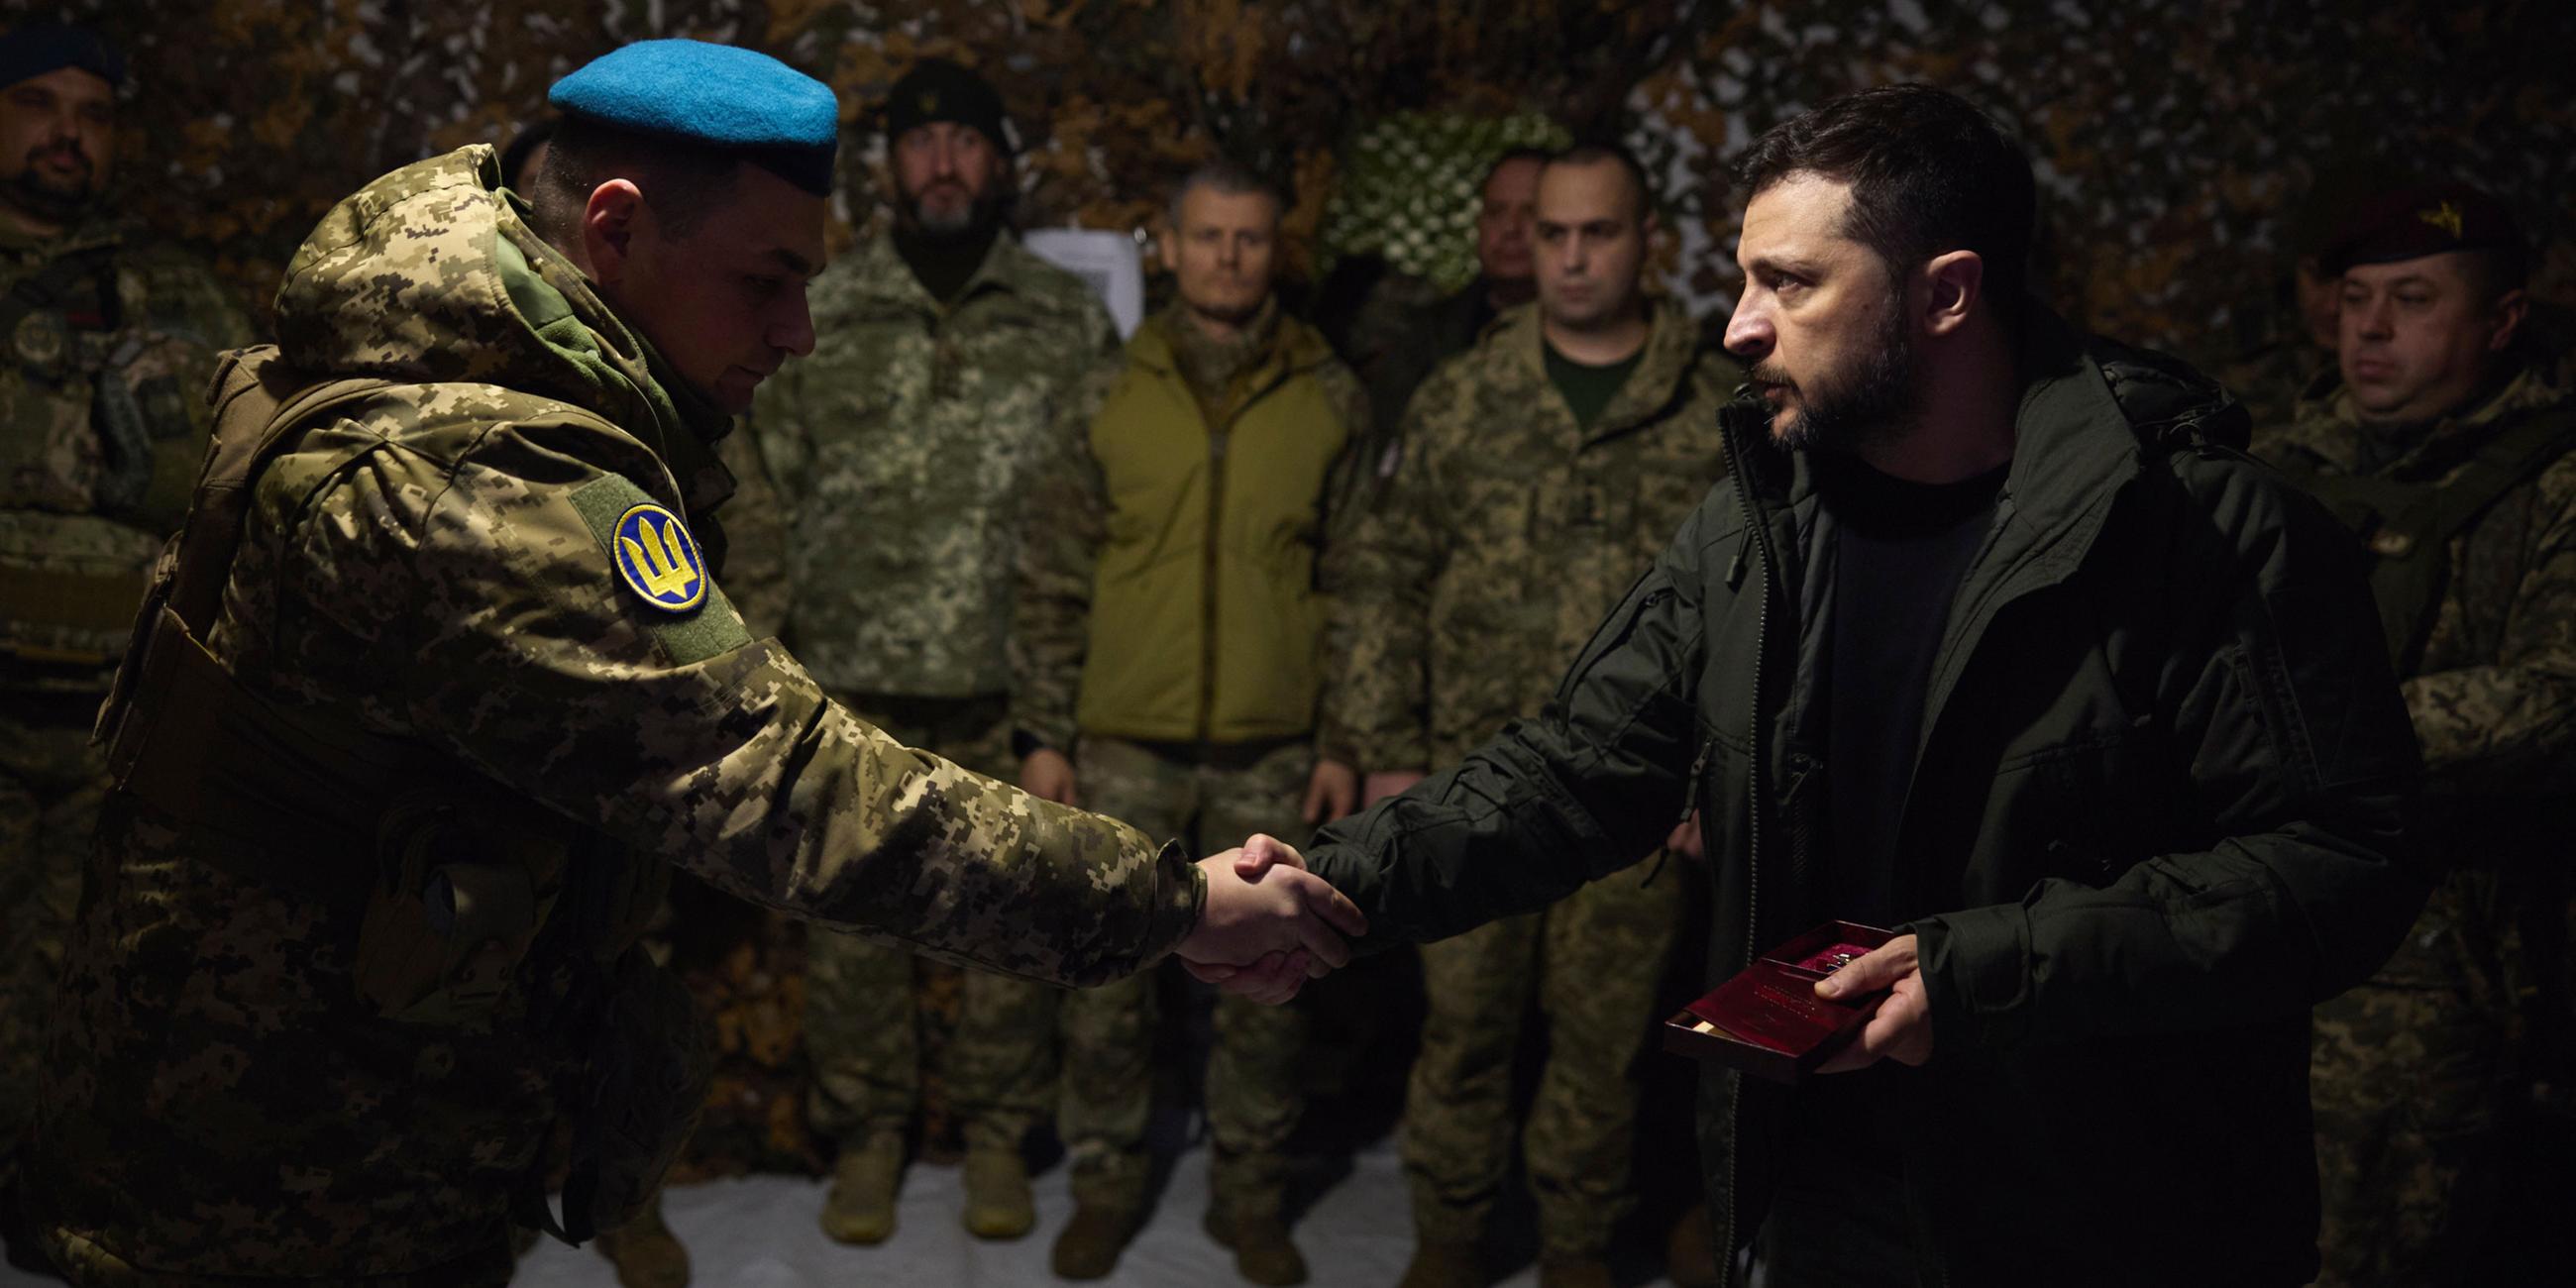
(2446, 217)
(659, 560)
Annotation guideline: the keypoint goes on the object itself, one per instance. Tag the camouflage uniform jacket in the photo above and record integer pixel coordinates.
(2494, 696)
(1507, 532)
(431, 570)
(900, 452)
(101, 430)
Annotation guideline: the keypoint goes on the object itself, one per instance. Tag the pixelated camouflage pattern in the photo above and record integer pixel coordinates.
(1252, 1094)
(1503, 537)
(899, 453)
(417, 568)
(1591, 963)
(2409, 1067)
(863, 1029)
(1505, 534)
(51, 782)
(1191, 501)
(86, 500)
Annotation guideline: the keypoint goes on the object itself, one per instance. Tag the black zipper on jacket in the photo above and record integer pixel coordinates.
(1760, 538)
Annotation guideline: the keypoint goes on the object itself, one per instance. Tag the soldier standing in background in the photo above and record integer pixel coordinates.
(439, 688)
(1168, 649)
(1395, 344)
(898, 456)
(1542, 471)
(110, 341)
(2447, 450)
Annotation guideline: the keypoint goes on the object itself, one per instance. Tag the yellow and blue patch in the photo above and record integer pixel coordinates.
(658, 559)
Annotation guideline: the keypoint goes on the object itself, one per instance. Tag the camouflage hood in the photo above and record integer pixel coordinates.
(431, 274)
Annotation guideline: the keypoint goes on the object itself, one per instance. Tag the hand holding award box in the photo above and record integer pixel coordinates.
(1768, 1020)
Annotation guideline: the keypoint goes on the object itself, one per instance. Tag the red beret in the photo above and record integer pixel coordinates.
(2410, 223)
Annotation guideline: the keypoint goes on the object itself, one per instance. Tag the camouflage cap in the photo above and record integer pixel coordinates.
(719, 96)
(2429, 219)
(939, 90)
(32, 49)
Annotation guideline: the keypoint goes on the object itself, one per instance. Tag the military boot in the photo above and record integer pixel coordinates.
(997, 1194)
(1258, 1234)
(645, 1252)
(860, 1208)
(1445, 1263)
(1091, 1242)
(1558, 1270)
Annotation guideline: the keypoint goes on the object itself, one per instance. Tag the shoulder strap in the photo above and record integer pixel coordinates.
(2503, 463)
(258, 403)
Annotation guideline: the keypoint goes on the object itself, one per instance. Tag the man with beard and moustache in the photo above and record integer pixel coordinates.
(1168, 655)
(1542, 470)
(110, 341)
(1989, 641)
(884, 480)
(2449, 446)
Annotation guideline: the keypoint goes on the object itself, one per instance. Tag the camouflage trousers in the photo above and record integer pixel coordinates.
(2407, 1078)
(1253, 1098)
(1592, 962)
(861, 1030)
(51, 784)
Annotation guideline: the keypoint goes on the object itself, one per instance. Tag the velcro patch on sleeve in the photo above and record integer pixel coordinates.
(658, 565)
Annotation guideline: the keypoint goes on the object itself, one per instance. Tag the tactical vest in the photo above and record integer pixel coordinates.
(67, 593)
(2408, 525)
(473, 891)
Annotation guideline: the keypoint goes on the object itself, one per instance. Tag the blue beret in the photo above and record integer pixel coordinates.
(715, 95)
(35, 48)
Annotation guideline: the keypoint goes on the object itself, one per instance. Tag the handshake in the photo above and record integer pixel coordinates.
(1268, 924)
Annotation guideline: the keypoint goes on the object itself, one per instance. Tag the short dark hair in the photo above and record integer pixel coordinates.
(514, 158)
(1613, 152)
(1510, 156)
(1231, 177)
(683, 181)
(1929, 173)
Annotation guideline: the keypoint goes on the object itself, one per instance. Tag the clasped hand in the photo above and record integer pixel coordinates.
(1268, 925)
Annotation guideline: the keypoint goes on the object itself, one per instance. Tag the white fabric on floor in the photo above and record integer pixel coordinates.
(761, 1232)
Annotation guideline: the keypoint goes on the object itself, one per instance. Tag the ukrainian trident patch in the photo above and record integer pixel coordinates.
(659, 560)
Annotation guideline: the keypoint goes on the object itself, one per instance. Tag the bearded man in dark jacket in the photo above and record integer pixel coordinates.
(1993, 638)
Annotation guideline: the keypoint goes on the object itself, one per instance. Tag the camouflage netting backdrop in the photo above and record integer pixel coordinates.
(2175, 142)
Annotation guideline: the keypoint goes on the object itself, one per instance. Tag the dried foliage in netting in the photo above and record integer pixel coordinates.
(2172, 140)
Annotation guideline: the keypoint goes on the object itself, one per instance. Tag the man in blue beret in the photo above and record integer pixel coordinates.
(107, 337)
(437, 687)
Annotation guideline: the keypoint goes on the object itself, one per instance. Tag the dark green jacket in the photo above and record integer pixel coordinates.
(2156, 815)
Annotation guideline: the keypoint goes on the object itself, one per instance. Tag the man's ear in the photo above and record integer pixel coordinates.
(1957, 281)
(608, 225)
(1167, 247)
(2508, 311)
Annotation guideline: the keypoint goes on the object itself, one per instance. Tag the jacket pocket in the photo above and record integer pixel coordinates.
(2105, 804)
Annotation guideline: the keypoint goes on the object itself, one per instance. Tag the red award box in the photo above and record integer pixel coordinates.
(1768, 1021)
